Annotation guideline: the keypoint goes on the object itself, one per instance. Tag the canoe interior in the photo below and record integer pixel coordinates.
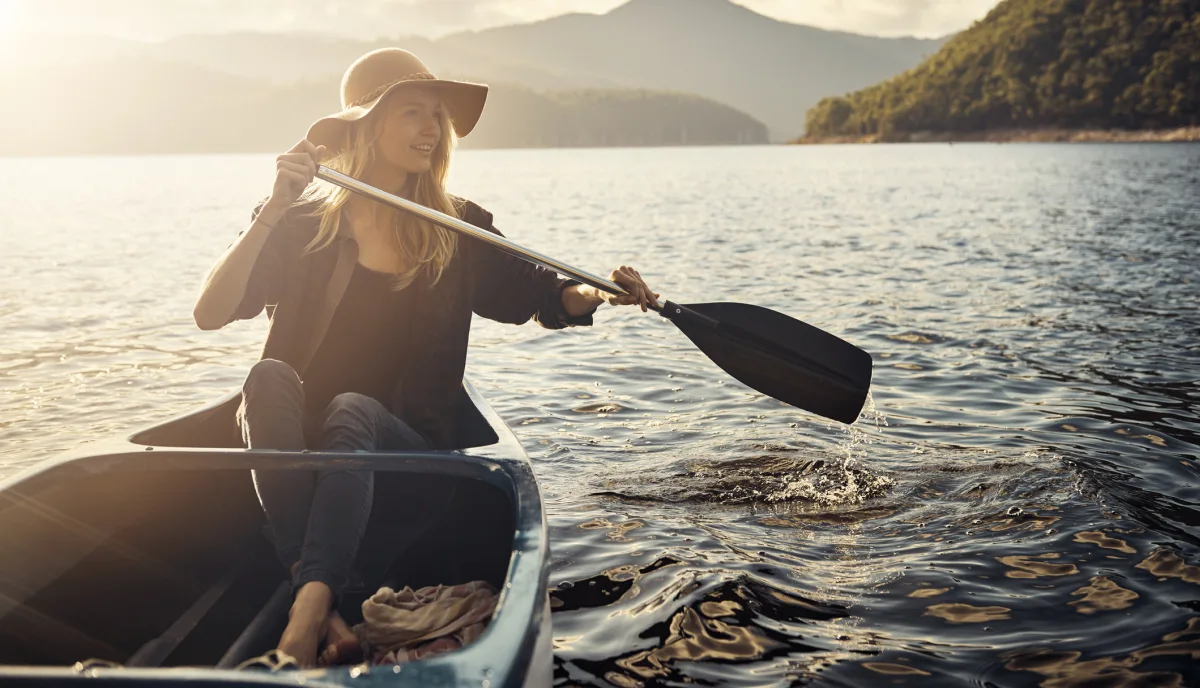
(174, 567)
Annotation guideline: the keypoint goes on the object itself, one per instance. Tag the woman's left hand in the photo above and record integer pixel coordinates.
(631, 281)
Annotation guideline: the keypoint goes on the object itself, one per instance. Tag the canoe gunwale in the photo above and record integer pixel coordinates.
(499, 656)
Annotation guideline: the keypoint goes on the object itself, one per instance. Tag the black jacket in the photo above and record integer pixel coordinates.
(300, 292)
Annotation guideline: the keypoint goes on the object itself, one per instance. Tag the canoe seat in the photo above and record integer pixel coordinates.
(156, 650)
(261, 634)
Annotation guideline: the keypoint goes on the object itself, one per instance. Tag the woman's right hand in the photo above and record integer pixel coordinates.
(294, 171)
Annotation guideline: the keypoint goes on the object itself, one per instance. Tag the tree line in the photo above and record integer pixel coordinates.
(1079, 64)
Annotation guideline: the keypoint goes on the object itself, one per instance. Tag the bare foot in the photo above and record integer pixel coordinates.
(307, 622)
(342, 646)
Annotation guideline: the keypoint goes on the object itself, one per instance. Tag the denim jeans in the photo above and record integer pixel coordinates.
(317, 518)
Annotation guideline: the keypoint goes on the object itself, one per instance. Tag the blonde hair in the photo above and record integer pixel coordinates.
(421, 245)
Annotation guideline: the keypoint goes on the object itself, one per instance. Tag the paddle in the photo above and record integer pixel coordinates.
(777, 355)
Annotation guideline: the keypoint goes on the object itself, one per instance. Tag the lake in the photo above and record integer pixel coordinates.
(1018, 505)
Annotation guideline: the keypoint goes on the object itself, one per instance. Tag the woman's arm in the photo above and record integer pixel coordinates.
(509, 289)
(225, 284)
(580, 299)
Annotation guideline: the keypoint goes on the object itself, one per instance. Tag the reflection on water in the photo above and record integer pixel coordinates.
(1019, 504)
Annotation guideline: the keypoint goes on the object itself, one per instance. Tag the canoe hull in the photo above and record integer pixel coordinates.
(146, 553)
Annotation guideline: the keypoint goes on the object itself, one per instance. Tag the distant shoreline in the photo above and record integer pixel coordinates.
(1181, 135)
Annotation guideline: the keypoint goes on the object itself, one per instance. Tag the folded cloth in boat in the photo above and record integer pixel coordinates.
(410, 624)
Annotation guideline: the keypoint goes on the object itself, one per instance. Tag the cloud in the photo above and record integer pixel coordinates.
(154, 19)
(925, 18)
(369, 19)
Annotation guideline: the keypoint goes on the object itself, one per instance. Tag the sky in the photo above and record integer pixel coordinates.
(369, 19)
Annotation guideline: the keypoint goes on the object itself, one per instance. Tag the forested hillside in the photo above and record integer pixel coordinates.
(1082, 64)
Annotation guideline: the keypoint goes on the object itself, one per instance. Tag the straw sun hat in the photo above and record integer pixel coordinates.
(374, 77)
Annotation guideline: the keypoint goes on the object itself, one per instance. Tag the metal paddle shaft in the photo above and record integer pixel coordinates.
(773, 353)
(456, 225)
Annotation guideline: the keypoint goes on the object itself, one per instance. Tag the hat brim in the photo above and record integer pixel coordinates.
(464, 101)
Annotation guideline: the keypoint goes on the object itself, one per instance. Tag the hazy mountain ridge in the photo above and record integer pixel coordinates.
(770, 69)
(259, 92)
(127, 103)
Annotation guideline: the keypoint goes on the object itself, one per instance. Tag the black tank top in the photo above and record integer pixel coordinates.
(365, 347)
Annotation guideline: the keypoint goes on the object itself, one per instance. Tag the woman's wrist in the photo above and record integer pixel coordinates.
(271, 213)
(581, 299)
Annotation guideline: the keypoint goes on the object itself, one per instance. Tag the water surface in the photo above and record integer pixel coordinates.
(1019, 505)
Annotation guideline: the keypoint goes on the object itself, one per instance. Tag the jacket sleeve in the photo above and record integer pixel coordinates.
(266, 277)
(510, 290)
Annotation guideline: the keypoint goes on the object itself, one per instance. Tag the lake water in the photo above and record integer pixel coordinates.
(1020, 505)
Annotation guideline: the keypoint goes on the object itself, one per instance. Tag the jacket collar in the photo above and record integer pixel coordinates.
(327, 305)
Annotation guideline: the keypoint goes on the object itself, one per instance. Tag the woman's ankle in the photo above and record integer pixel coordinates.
(314, 600)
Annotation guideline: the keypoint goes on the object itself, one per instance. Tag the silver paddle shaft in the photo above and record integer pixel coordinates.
(456, 225)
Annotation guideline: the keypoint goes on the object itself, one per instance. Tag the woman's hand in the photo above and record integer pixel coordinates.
(631, 281)
(294, 171)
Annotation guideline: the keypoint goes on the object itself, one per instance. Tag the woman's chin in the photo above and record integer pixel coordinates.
(411, 164)
(418, 166)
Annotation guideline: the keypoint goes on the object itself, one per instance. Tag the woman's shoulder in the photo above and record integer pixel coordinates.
(471, 212)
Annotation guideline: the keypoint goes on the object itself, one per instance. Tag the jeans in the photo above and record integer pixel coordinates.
(317, 518)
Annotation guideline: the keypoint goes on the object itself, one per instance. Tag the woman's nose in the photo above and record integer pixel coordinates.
(431, 126)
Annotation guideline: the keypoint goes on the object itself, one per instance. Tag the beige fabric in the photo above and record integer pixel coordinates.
(407, 625)
(374, 77)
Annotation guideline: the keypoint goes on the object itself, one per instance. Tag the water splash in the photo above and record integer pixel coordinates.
(845, 481)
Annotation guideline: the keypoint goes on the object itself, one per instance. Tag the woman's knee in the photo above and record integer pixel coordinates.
(349, 408)
(350, 419)
(273, 377)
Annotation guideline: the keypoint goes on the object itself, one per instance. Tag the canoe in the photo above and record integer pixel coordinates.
(145, 561)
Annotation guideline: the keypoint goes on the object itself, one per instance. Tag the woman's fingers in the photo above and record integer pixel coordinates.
(650, 295)
(296, 180)
(629, 284)
(306, 152)
(297, 167)
(303, 159)
(640, 290)
(637, 291)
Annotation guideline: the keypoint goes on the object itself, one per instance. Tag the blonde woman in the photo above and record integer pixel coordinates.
(370, 311)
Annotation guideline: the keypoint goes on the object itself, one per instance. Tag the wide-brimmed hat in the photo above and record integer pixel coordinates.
(380, 73)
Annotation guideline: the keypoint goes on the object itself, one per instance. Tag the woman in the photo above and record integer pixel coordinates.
(370, 311)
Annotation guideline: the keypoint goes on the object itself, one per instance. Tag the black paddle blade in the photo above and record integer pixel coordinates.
(779, 356)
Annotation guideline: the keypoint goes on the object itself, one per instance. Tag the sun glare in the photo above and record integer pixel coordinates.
(8, 17)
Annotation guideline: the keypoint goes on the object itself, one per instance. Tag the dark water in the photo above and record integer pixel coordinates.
(1019, 506)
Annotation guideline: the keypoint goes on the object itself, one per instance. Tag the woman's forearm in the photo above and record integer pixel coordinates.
(580, 299)
(225, 285)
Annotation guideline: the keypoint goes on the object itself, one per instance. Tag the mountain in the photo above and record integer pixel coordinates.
(283, 59)
(524, 118)
(660, 71)
(131, 103)
(1073, 64)
(771, 69)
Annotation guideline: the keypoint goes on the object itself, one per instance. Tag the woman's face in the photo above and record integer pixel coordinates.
(411, 130)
